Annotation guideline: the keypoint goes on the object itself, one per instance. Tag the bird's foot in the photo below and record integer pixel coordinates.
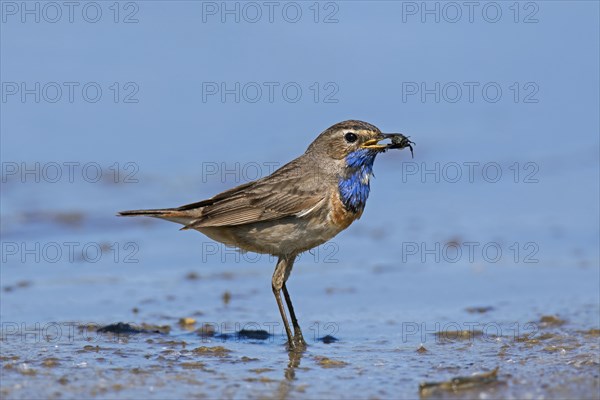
(298, 344)
(299, 341)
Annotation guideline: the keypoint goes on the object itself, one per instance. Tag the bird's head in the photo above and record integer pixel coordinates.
(344, 138)
(357, 142)
(348, 149)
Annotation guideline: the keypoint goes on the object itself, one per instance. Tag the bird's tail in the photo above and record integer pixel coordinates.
(148, 213)
(170, 214)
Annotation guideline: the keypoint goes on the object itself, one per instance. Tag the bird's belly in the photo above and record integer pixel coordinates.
(290, 235)
(281, 237)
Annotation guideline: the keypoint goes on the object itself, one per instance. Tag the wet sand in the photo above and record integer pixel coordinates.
(212, 331)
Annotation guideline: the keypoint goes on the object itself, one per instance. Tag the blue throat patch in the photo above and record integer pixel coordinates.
(354, 186)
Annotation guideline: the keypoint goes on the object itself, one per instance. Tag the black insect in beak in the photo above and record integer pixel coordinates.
(399, 141)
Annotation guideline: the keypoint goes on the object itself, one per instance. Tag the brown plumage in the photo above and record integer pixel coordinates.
(298, 207)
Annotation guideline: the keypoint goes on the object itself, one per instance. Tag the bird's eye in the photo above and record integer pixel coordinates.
(350, 137)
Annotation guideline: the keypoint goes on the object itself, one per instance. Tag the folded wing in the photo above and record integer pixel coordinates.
(286, 193)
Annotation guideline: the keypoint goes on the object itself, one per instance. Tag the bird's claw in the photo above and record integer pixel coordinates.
(298, 344)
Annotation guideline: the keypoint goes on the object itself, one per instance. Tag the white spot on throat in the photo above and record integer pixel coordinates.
(365, 178)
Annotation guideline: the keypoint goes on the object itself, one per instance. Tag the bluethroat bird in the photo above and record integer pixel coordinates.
(301, 205)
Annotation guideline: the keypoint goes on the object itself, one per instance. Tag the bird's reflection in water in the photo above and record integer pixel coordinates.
(287, 384)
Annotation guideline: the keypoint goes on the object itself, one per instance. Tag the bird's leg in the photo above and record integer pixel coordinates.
(298, 338)
(276, 285)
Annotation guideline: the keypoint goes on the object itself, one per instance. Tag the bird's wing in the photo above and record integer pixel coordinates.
(285, 193)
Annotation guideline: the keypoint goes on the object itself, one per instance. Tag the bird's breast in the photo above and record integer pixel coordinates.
(354, 189)
(341, 216)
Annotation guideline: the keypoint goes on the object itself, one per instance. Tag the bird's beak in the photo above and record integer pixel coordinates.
(373, 144)
(398, 141)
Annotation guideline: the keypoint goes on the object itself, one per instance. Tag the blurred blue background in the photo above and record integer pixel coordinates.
(512, 166)
(364, 58)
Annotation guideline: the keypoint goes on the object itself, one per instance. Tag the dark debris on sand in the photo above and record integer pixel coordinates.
(121, 328)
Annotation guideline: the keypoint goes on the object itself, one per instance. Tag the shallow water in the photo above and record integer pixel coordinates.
(396, 325)
(480, 253)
